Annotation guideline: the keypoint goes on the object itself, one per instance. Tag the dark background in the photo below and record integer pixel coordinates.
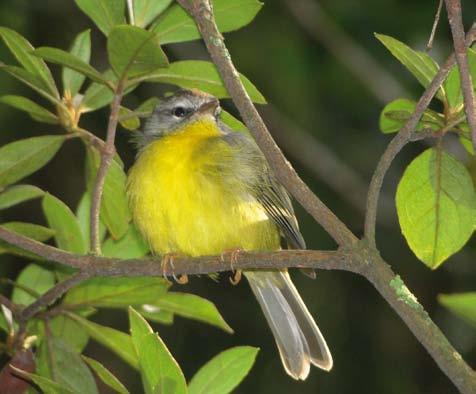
(374, 352)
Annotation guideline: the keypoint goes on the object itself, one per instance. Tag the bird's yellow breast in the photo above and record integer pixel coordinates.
(182, 204)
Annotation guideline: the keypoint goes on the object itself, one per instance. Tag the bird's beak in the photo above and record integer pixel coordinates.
(209, 107)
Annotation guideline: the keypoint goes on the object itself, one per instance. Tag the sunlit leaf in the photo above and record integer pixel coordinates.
(106, 376)
(37, 112)
(193, 307)
(33, 277)
(224, 372)
(22, 49)
(81, 48)
(134, 51)
(66, 59)
(461, 304)
(17, 194)
(201, 75)
(420, 64)
(145, 11)
(117, 292)
(128, 122)
(436, 206)
(30, 230)
(396, 114)
(232, 122)
(114, 340)
(105, 13)
(175, 25)
(159, 371)
(68, 234)
(23, 157)
(452, 83)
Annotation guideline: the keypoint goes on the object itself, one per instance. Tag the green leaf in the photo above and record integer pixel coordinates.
(193, 307)
(36, 278)
(96, 96)
(66, 59)
(106, 376)
(105, 13)
(156, 314)
(68, 234)
(69, 369)
(160, 372)
(114, 206)
(224, 372)
(436, 206)
(130, 246)
(129, 123)
(420, 64)
(134, 51)
(452, 83)
(175, 25)
(201, 75)
(232, 122)
(83, 214)
(23, 157)
(70, 331)
(22, 49)
(81, 48)
(461, 304)
(45, 384)
(396, 114)
(117, 292)
(145, 11)
(17, 194)
(36, 111)
(34, 231)
(114, 340)
(31, 80)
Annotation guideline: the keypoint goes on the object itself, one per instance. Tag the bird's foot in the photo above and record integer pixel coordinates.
(233, 260)
(168, 260)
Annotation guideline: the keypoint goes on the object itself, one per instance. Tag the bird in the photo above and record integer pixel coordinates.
(199, 188)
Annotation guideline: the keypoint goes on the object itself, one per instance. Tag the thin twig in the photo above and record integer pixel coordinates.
(52, 295)
(455, 18)
(429, 45)
(107, 155)
(320, 26)
(203, 15)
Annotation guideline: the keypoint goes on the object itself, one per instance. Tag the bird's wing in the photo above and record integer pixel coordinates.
(265, 187)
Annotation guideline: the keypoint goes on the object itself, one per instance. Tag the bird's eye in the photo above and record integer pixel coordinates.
(179, 112)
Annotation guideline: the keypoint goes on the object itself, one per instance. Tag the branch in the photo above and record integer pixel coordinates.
(107, 155)
(203, 15)
(358, 259)
(455, 18)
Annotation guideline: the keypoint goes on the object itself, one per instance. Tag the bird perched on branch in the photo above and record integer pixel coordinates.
(198, 188)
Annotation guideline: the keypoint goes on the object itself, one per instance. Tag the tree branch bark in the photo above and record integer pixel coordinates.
(455, 18)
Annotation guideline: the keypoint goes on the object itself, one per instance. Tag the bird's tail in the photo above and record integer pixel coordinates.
(299, 340)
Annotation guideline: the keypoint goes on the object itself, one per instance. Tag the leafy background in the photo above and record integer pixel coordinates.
(372, 349)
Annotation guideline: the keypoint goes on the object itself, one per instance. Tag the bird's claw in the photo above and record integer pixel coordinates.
(168, 260)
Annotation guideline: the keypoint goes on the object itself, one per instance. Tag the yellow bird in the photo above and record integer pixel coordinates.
(198, 188)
